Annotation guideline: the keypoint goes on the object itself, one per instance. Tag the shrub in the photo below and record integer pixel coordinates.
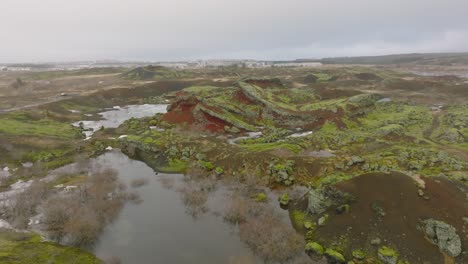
(25, 204)
(270, 238)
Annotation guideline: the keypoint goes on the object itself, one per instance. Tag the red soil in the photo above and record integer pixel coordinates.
(182, 112)
(185, 111)
(214, 124)
(242, 98)
(323, 116)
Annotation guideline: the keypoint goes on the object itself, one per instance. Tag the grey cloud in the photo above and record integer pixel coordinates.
(49, 30)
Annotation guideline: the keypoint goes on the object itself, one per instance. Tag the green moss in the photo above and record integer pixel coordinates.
(329, 127)
(259, 147)
(297, 218)
(315, 248)
(174, 166)
(206, 165)
(334, 255)
(284, 199)
(323, 220)
(390, 129)
(309, 236)
(359, 254)
(309, 225)
(388, 252)
(201, 90)
(20, 124)
(261, 197)
(219, 171)
(323, 77)
(26, 248)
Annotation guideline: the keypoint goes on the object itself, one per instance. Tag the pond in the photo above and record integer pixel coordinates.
(159, 230)
(118, 115)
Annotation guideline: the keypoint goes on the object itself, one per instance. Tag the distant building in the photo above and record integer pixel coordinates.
(2, 68)
(298, 64)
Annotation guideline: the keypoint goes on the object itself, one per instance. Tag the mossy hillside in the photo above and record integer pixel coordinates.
(395, 152)
(26, 248)
(25, 124)
(451, 127)
(413, 119)
(206, 91)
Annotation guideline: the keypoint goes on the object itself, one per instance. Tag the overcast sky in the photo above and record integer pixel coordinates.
(64, 30)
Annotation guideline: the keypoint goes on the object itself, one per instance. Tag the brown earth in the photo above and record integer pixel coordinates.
(397, 195)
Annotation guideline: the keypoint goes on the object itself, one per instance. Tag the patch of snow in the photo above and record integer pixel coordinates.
(249, 135)
(123, 136)
(5, 224)
(74, 111)
(27, 164)
(384, 100)
(109, 148)
(157, 128)
(296, 135)
(70, 188)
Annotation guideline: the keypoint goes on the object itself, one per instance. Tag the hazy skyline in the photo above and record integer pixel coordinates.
(58, 30)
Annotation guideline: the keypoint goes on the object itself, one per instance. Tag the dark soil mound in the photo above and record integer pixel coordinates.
(310, 79)
(330, 93)
(265, 82)
(368, 77)
(397, 196)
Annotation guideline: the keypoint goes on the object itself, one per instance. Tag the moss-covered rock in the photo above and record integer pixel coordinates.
(359, 254)
(323, 220)
(317, 202)
(343, 209)
(334, 256)
(206, 165)
(219, 171)
(309, 225)
(261, 197)
(444, 236)
(282, 172)
(388, 255)
(284, 199)
(315, 248)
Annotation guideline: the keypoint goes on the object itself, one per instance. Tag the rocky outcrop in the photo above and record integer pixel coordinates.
(318, 203)
(443, 235)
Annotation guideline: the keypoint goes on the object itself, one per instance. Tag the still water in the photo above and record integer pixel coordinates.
(159, 230)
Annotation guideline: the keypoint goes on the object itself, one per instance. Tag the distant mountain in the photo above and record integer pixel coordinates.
(414, 58)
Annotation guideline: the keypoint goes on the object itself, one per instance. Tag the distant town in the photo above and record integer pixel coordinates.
(178, 65)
